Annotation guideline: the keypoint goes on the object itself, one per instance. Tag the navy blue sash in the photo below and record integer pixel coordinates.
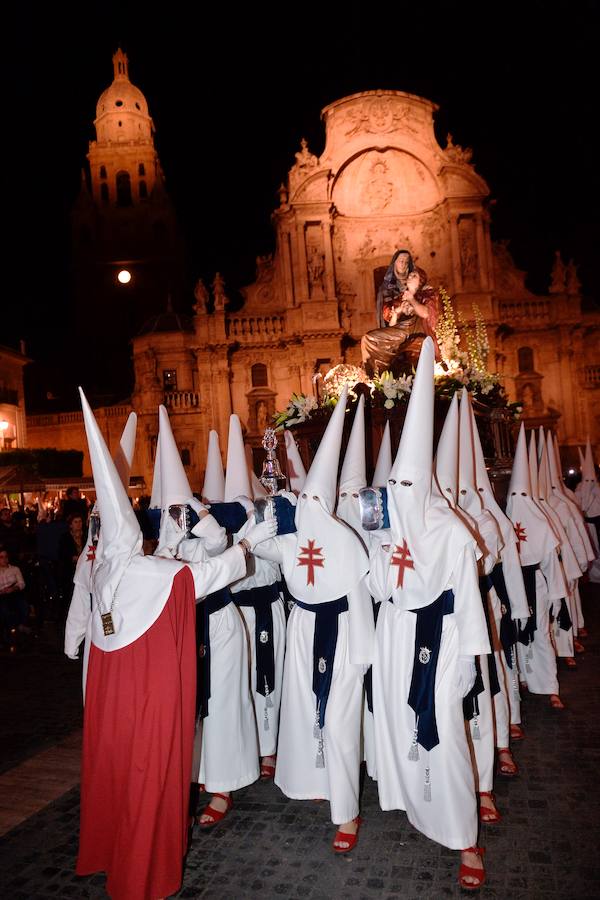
(508, 628)
(288, 599)
(324, 644)
(526, 635)
(368, 681)
(214, 602)
(470, 702)
(428, 637)
(485, 583)
(261, 599)
(563, 618)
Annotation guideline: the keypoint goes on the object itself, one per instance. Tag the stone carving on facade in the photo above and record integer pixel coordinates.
(367, 248)
(510, 281)
(379, 190)
(572, 282)
(220, 297)
(304, 158)
(283, 194)
(456, 153)
(380, 115)
(265, 269)
(315, 264)
(467, 240)
(201, 296)
(558, 275)
(345, 310)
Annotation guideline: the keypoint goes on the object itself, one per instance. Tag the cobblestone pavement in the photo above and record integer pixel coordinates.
(545, 847)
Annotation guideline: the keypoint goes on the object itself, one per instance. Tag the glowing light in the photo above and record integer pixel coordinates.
(3, 425)
(124, 276)
(571, 471)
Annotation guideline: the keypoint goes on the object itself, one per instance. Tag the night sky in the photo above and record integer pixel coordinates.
(231, 94)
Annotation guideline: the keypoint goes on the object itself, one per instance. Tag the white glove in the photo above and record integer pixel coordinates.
(466, 673)
(288, 496)
(246, 503)
(522, 623)
(261, 532)
(196, 505)
(192, 550)
(171, 536)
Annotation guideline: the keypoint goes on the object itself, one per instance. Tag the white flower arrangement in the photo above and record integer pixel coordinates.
(393, 388)
(298, 410)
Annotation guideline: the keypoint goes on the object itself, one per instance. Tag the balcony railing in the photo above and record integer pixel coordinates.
(533, 310)
(255, 328)
(182, 399)
(591, 376)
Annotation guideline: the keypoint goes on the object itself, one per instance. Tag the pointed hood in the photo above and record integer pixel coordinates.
(295, 467)
(121, 535)
(578, 534)
(446, 457)
(534, 533)
(556, 514)
(258, 490)
(124, 455)
(568, 493)
(468, 496)
(213, 489)
(428, 536)
(383, 465)
(582, 461)
(533, 466)
(237, 477)
(313, 569)
(155, 502)
(588, 490)
(174, 484)
(353, 476)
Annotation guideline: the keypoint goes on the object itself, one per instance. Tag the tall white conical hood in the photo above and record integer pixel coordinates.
(237, 477)
(578, 534)
(321, 480)
(121, 535)
(258, 490)
(588, 490)
(588, 470)
(124, 455)
(174, 485)
(468, 496)
(312, 564)
(533, 530)
(582, 460)
(557, 515)
(213, 489)
(353, 476)
(569, 494)
(295, 467)
(428, 536)
(383, 465)
(155, 498)
(446, 457)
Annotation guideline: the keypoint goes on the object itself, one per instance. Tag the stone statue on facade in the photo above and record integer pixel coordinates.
(201, 296)
(558, 275)
(219, 294)
(572, 282)
(458, 154)
(304, 158)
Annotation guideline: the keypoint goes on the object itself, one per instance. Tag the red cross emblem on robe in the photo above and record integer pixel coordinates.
(311, 557)
(520, 533)
(91, 553)
(403, 560)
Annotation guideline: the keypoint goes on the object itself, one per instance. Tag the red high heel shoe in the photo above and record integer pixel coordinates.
(267, 771)
(487, 815)
(507, 766)
(347, 838)
(215, 814)
(469, 872)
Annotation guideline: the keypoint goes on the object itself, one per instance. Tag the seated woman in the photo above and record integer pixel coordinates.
(407, 312)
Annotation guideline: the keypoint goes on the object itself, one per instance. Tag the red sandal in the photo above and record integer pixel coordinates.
(556, 702)
(508, 766)
(487, 815)
(578, 646)
(267, 771)
(583, 632)
(469, 872)
(349, 839)
(570, 663)
(215, 814)
(516, 733)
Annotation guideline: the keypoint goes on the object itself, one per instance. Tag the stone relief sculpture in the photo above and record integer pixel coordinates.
(201, 296)
(558, 275)
(219, 291)
(572, 282)
(467, 240)
(456, 153)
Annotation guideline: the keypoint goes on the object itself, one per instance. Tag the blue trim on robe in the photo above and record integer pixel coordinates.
(213, 603)
(324, 644)
(261, 599)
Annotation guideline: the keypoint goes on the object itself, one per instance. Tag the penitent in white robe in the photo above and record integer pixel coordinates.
(450, 817)
(537, 662)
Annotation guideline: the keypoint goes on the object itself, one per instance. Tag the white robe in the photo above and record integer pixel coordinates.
(537, 662)
(451, 816)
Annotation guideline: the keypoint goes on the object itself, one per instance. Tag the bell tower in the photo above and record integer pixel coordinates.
(127, 251)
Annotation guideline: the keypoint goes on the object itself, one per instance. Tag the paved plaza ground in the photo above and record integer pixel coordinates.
(546, 846)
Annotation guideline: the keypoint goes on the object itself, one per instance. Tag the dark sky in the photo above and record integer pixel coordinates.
(231, 94)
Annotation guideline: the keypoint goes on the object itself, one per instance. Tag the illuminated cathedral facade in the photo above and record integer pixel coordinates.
(383, 182)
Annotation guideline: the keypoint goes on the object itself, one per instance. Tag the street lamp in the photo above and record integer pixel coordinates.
(124, 276)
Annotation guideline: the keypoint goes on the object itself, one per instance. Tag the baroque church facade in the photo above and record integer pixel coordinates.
(383, 182)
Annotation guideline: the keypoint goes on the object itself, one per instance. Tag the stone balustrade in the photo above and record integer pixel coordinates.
(69, 418)
(591, 376)
(255, 328)
(535, 311)
(182, 399)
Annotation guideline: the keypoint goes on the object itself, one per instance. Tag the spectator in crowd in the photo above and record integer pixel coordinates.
(14, 608)
(69, 549)
(74, 505)
(8, 535)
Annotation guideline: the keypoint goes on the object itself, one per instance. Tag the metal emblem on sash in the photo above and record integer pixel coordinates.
(107, 623)
(424, 655)
(503, 609)
(201, 651)
(264, 637)
(322, 665)
(530, 611)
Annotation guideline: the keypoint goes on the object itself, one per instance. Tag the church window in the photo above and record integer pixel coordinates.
(186, 458)
(170, 379)
(123, 189)
(104, 194)
(118, 103)
(143, 190)
(259, 375)
(141, 169)
(102, 171)
(137, 106)
(525, 356)
(120, 124)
